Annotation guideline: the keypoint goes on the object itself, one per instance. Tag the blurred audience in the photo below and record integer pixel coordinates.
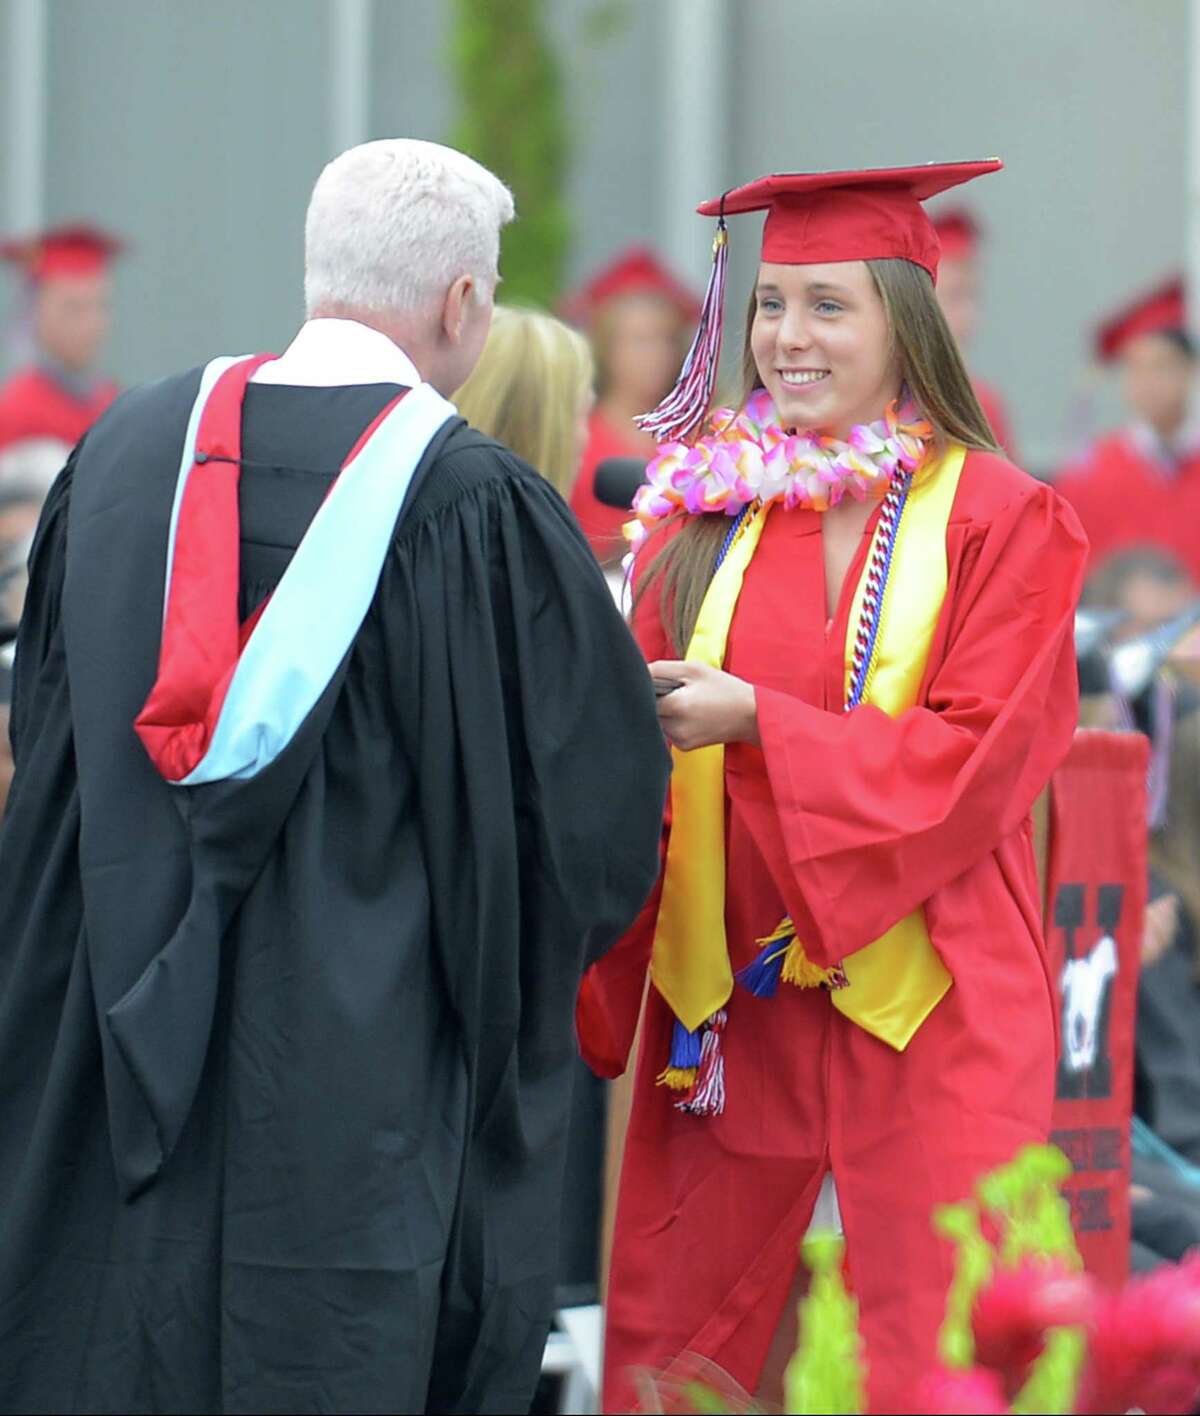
(1147, 584)
(57, 393)
(20, 504)
(532, 391)
(959, 292)
(49, 402)
(1152, 589)
(1141, 484)
(640, 320)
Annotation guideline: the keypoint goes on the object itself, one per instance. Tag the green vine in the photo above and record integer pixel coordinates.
(511, 118)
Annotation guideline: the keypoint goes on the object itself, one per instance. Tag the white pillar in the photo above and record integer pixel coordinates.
(695, 126)
(349, 73)
(24, 116)
(1192, 175)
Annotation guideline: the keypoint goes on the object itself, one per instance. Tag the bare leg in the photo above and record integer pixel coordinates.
(783, 1344)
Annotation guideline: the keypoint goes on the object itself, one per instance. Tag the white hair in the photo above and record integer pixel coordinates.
(392, 224)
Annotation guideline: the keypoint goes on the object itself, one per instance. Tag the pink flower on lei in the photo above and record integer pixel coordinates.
(727, 480)
(745, 455)
(714, 475)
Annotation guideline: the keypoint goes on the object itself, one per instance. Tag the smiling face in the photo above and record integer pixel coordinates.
(822, 345)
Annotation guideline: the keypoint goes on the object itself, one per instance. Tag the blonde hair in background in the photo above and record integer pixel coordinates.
(529, 389)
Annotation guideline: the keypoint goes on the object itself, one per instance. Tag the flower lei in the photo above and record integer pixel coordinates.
(746, 456)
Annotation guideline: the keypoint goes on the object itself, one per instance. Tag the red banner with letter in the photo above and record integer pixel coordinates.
(1095, 906)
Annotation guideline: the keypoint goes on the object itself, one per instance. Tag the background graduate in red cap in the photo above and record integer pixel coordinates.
(1140, 485)
(638, 317)
(959, 294)
(58, 395)
(859, 616)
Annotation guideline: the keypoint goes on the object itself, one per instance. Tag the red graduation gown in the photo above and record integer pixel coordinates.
(1125, 498)
(33, 404)
(847, 823)
(601, 524)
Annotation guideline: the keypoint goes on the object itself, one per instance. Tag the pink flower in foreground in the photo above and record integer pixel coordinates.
(1144, 1345)
(1016, 1309)
(975, 1392)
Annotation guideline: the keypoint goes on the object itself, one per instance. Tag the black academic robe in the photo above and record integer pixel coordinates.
(284, 1063)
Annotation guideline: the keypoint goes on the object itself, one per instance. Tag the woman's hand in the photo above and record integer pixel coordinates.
(709, 706)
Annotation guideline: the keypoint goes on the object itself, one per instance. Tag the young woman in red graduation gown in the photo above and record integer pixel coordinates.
(58, 397)
(958, 289)
(901, 828)
(637, 316)
(1140, 485)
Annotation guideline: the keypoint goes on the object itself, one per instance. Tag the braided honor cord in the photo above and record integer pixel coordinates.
(876, 587)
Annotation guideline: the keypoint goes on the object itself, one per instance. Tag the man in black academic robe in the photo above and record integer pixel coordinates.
(284, 1061)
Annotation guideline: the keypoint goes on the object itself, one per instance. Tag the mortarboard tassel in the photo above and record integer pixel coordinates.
(685, 406)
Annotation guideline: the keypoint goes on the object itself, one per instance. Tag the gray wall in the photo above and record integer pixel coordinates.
(1086, 102)
(198, 129)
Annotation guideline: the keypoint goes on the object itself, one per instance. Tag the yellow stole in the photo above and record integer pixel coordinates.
(897, 981)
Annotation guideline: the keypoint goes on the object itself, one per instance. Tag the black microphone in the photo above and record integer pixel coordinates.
(617, 479)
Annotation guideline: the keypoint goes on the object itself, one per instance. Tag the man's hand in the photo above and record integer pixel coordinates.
(1162, 920)
(708, 707)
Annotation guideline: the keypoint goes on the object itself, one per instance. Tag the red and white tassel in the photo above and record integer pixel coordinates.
(707, 1097)
(686, 406)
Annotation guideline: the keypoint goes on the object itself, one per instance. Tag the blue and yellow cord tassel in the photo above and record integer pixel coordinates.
(684, 1061)
(781, 956)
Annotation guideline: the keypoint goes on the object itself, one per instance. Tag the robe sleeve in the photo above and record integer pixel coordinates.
(38, 640)
(862, 817)
(541, 769)
(532, 720)
(610, 996)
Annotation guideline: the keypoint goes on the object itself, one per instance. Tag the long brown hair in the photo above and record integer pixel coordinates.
(930, 366)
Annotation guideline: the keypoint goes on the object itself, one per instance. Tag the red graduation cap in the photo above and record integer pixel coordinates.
(812, 217)
(1164, 308)
(78, 249)
(958, 232)
(636, 271)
